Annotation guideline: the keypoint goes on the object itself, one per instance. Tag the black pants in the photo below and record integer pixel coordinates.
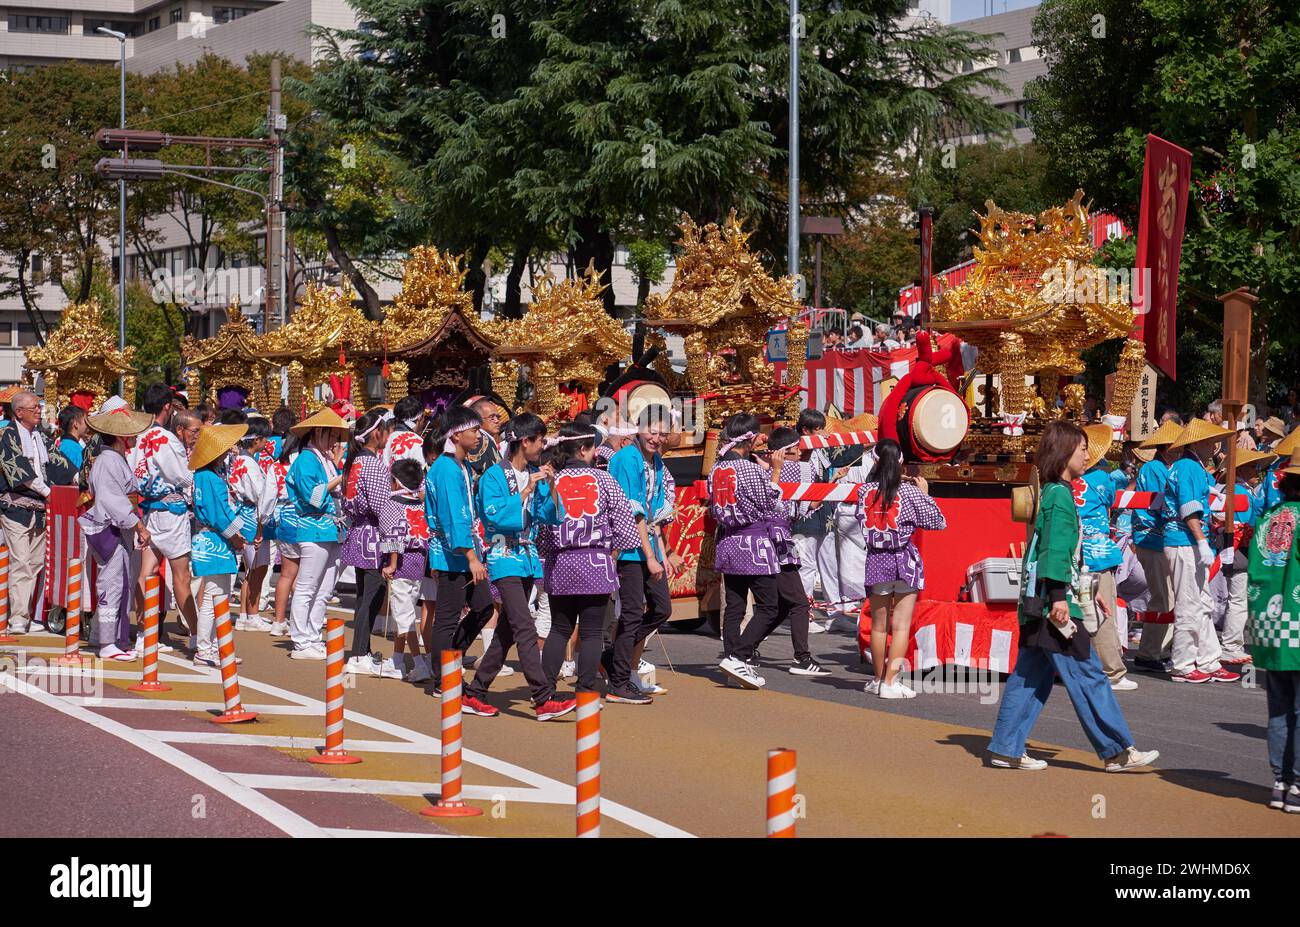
(515, 629)
(644, 605)
(736, 589)
(791, 603)
(449, 632)
(588, 613)
(370, 593)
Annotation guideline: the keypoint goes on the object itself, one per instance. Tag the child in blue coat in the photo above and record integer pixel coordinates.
(219, 532)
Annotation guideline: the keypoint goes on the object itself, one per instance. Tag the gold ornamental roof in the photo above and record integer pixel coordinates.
(565, 319)
(234, 342)
(325, 320)
(81, 340)
(433, 288)
(719, 279)
(1033, 277)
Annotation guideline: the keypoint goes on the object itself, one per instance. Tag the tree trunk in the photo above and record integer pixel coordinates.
(39, 325)
(512, 308)
(369, 298)
(642, 291)
(595, 246)
(476, 280)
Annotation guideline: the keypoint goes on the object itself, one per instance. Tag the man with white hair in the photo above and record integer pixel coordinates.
(23, 491)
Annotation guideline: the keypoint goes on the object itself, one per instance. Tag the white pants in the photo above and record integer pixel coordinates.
(404, 604)
(805, 546)
(206, 589)
(541, 611)
(26, 561)
(842, 563)
(1233, 639)
(1196, 645)
(318, 571)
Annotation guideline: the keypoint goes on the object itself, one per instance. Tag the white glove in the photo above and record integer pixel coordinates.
(1225, 556)
(1207, 554)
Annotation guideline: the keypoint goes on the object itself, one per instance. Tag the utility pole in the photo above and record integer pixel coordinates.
(793, 234)
(121, 213)
(275, 305)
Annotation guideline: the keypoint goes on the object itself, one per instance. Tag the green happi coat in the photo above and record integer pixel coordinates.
(1273, 631)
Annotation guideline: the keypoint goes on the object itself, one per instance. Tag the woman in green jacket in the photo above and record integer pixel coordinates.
(1052, 637)
(1274, 629)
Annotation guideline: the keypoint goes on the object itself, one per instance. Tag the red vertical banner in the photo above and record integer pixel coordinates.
(1165, 181)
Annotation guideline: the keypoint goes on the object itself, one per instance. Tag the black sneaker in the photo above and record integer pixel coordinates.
(1150, 666)
(809, 667)
(1276, 800)
(627, 696)
(1292, 805)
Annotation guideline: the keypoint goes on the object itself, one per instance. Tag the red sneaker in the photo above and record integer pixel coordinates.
(473, 706)
(1194, 676)
(555, 708)
(1223, 675)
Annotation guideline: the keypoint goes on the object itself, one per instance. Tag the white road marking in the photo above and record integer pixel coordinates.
(292, 824)
(164, 704)
(344, 832)
(398, 787)
(279, 740)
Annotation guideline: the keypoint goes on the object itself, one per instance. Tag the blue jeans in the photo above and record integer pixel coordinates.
(1028, 687)
(1283, 688)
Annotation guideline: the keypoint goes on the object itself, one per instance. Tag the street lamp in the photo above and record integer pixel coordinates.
(121, 212)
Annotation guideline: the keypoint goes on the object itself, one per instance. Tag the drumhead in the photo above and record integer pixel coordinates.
(645, 394)
(939, 420)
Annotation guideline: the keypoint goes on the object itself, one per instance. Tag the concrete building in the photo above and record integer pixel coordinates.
(1014, 53)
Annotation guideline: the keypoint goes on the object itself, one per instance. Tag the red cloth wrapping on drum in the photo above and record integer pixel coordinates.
(975, 634)
(908, 390)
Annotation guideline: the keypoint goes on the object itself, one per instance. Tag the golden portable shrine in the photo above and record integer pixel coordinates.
(229, 361)
(80, 356)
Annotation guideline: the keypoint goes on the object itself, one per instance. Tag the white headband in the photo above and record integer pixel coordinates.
(447, 446)
(792, 444)
(360, 436)
(553, 442)
(739, 439)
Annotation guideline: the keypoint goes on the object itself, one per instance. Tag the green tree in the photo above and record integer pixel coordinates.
(1217, 77)
(53, 205)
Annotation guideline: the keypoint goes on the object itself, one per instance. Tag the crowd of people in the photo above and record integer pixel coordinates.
(474, 525)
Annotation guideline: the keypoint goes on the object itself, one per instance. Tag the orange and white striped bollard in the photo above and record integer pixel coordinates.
(234, 712)
(72, 630)
(780, 793)
(587, 805)
(5, 636)
(152, 600)
(449, 803)
(334, 752)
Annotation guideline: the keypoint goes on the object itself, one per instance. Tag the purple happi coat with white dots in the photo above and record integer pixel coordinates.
(751, 518)
(891, 553)
(367, 491)
(577, 554)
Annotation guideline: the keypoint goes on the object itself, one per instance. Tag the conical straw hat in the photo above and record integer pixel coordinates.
(214, 440)
(1197, 430)
(1166, 434)
(325, 418)
(121, 422)
(1099, 438)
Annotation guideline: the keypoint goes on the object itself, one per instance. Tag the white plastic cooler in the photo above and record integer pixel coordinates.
(994, 579)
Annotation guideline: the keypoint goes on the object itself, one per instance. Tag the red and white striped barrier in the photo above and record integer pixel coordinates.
(1130, 499)
(449, 804)
(587, 801)
(819, 492)
(1219, 502)
(838, 439)
(152, 598)
(780, 792)
(72, 630)
(334, 754)
(5, 636)
(234, 713)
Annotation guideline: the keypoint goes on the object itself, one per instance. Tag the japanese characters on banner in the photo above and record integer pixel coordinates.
(1142, 415)
(1165, 180)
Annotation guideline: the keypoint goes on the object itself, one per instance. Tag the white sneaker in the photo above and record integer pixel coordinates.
(644, 667)
(258, 623)
(872, 687)
(241, 623)
(742, 672)
(1124, 684)
(207, 659)
(1132, 758)
(421, 671)
(279, 629)
(1011, 762)
(506, 670)
(333, 600)
(647, 688)
(569, 670)
(139, 645)
(389, 669)
(817, 627)
(895, 689)
(361, 666)
(310, 652)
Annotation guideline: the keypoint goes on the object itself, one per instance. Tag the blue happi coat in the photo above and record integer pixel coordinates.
(217, 522)
(509, 528)
(643, 483)
(453, 521)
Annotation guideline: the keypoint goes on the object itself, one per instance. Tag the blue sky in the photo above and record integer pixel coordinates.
(973, 9)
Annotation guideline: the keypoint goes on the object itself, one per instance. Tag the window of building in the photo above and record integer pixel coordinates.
(26, 335)
(21, 22)
(127, 28)
(6, 336)
(155, 23)
(226, 14)
(1013, 56)
(175, 15)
